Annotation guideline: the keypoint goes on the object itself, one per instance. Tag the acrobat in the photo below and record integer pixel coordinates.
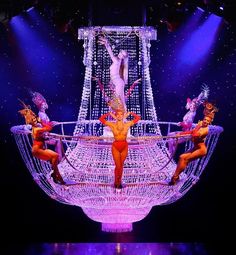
(118, 70)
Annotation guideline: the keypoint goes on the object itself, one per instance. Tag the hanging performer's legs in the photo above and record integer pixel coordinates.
(119, 153)
(185, 158)
(52, 156)
(58, 147)
(56, 174)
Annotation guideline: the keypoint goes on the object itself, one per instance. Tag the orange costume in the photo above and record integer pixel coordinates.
(199, 134)
(42, 106)
(38, 147)
(120, 145)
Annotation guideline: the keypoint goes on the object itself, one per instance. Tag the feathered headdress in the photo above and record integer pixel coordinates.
(209, 110)
(26, 112)
(116, 104)
(37, 98)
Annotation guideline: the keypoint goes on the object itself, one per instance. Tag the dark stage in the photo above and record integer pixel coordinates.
(38, 53)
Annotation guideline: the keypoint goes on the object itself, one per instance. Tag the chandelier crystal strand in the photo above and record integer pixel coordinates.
(88, 166)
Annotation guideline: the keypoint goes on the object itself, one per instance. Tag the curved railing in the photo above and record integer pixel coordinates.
(89, 167)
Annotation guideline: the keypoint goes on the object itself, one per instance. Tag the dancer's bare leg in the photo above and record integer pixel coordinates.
(118, 164)
(123, 157)
(119, 158)
(58, 148)
(184, 160)
(52, 156)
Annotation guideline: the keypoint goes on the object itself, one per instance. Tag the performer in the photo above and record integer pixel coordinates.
(118, 70)
(42, 106)
(198, 134)
(38, 150)
(114, 101)
(188, 119)
(119, 129)
(192, 106)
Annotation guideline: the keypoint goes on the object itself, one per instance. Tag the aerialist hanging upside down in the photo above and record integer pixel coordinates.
(119, 129)
(38, 148)
(198, 136)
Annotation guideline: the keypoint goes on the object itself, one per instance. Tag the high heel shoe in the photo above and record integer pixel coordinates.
(173, 180)
(57, 178)
(118, 186)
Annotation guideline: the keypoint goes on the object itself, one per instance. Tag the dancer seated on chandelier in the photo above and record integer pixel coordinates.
(188, 119)
(42, 106)
(119, 129)
(198, 137)
(118, 70)
(38, 148)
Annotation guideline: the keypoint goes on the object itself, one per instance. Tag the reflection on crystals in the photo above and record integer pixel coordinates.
(88, 166)
(89, 169)
(123, 248)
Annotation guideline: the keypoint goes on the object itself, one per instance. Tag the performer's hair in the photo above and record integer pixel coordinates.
(119, 110)
(124, 71)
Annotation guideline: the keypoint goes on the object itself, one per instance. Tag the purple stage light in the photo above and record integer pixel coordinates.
(117, 249)
(88, 165)
(200, 42)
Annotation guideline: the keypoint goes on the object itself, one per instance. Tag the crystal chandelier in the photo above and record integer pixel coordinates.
(88, 162)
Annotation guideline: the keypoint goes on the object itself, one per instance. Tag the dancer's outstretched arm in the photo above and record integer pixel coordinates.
(104, 41)
(101, 86)
(131, 88)
(46, 127)
(190, 132)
